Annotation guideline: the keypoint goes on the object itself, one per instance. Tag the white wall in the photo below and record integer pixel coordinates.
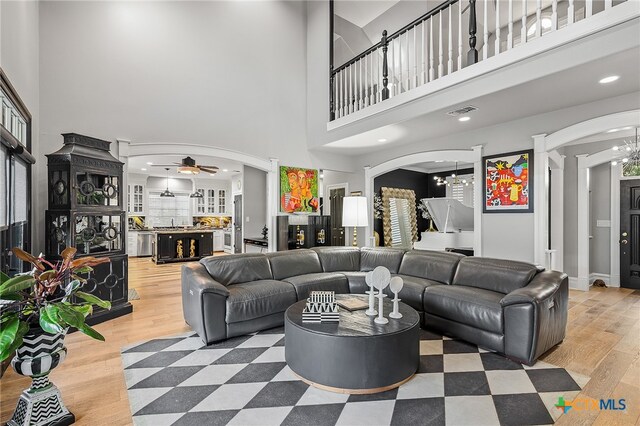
(225, 74)
(19, 46)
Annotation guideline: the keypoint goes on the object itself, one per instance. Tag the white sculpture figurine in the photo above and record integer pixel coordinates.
(380, 278)
(396, 285)
(368, 278)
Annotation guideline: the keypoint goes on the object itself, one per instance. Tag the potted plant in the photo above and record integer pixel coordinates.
(38, 309)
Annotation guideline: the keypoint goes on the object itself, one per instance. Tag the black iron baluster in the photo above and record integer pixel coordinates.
(385, 66)
(472, 55)
(332, 83)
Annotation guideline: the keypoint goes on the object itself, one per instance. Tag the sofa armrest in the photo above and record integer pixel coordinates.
(204, 303)
(541, 288)
(198, 280)
(535, 316)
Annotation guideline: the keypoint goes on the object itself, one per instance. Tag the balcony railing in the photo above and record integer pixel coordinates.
(444, 40)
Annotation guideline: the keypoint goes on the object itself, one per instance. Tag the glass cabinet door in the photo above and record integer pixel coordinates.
(222, 201)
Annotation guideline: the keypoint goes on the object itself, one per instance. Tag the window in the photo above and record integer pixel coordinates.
(15, 177)
(222, 201)
(211, 201)
(138, 193)
(200, 201)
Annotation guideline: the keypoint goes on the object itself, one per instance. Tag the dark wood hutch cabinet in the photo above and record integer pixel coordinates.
(86, 211)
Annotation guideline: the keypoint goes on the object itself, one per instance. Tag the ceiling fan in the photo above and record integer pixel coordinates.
(188, 166)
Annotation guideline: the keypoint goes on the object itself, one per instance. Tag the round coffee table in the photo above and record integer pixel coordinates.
(356, 355)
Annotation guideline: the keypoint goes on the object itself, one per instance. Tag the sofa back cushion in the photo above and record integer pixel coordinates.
(370, 257)
(339, 259)
(285, 264)
(433, 265)
(238, 268)
(502, 276)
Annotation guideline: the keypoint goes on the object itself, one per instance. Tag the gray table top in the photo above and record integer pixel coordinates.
(356, 323)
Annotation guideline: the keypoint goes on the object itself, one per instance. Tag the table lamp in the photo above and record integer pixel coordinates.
(354, 213)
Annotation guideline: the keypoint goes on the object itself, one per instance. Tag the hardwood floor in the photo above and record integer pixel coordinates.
(603, 342)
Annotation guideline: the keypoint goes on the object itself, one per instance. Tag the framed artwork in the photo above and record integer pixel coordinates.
(298, 190)
(508, 182)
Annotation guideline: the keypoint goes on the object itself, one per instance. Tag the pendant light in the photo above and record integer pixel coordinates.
(166, 192)
(197, 193)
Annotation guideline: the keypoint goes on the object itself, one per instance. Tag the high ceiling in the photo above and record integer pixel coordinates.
(361, 12)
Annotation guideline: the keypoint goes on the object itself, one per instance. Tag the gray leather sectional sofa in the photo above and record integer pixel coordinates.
(514, 308)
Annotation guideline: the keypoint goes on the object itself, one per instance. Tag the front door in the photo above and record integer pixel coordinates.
(630, 233)
(237, 224)
(337, 230)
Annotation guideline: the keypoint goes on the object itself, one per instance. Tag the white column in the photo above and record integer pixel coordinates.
(557, 209)
(540, 198)
(123, 155)
(272, 203)
(583, 224)
(479, 200)
(369, 240)
(614, 274)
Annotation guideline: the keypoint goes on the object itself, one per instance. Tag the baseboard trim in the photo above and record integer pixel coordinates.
(581, 284)
(608, 280)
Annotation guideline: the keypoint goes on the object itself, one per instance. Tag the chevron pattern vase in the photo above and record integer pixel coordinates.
(41, 404)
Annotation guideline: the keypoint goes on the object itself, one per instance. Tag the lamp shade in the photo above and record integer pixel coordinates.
(354, 211)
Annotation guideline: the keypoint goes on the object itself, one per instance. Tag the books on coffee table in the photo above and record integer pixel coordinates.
(352, 302)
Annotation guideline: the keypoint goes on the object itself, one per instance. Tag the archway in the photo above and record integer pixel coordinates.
(472, 156)
(128, 149)
(547, 157)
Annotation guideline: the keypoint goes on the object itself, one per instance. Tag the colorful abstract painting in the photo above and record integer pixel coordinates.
(298, 190)
(508, 182)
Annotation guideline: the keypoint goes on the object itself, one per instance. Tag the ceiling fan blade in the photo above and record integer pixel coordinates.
(163, 165)
(208, 170)
(208, 167)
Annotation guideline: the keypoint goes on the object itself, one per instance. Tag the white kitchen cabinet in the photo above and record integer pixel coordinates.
(132, 243)
(218, 240)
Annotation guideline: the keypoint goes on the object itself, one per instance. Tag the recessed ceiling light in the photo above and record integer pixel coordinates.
(439, 161)
(464, 118)
(609, 79)
(225, 170)
(149, 163)
(212, 174)
(143, 169)
(382, 140)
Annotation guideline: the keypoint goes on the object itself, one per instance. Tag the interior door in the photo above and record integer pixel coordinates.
(337, 230)
(630, 233)
(237, 224)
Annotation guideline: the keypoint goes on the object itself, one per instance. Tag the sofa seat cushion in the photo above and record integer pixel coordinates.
(257, 299)
(412, 292)
(324, 281)
(357, 283)
(475, 307)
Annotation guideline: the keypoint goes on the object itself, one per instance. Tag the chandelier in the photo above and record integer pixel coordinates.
(629, 156)
(452, 180)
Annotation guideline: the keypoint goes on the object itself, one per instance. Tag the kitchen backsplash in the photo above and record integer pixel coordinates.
(213, 221)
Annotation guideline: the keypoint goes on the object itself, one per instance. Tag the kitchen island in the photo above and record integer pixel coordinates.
(182, 245)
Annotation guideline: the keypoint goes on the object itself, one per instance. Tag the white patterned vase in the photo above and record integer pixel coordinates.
(41, 404)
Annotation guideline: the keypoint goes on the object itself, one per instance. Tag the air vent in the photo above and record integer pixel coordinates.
(462, 111)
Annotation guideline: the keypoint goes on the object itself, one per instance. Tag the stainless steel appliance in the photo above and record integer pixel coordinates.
(227, 241)
(145, 241)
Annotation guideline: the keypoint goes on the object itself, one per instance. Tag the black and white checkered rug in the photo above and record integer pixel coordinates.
(245, 381)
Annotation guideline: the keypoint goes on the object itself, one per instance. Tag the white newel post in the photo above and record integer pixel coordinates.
(370, 240)
(583, 223)
(540, 198)
(480, 199)
(272, 203)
